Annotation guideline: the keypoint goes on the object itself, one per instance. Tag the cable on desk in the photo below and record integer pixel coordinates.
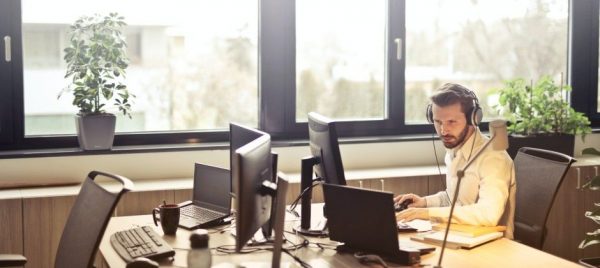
(325, 245)
(298, 260)
(367, 258)
(292, 208)
(222, 229)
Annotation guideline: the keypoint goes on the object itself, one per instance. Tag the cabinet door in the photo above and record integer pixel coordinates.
(436, 183)
(590, 198)
(564, 225)
(43, 223)
(11, 220)
(416, 185)
(182, 195)
(140, 203)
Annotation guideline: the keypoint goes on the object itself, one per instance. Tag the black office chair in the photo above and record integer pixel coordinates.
(85, 226)
(539, 174)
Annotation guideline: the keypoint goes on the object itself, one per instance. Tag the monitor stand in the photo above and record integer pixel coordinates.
(277, 239)
(306, 181)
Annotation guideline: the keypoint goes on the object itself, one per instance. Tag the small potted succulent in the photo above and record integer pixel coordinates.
(96, 60)
(540, 116)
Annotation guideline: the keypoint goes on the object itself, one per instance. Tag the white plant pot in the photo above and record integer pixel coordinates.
(96, 132)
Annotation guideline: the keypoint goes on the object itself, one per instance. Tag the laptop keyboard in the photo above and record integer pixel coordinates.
(200, 214)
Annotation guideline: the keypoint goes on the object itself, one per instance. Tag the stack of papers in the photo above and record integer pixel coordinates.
(461, 236)
(469, 230)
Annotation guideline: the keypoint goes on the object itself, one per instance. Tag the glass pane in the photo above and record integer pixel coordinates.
(480, 44)
(193, 64)
(340, 52)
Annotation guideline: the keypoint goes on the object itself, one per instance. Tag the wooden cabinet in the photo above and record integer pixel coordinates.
(140, 203)
(11, 220)
(33, 226)
(589, 199)
(567, 224)
(43, 223)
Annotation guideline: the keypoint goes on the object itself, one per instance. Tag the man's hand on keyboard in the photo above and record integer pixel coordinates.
(410, 214)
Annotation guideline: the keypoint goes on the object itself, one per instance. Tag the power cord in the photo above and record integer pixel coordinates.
(292, 209)
(370, 258)
(364, 258)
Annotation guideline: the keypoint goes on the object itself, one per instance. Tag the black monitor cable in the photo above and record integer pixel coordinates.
(292, 209)
(366, 259)
(230, 249)
(437, 162)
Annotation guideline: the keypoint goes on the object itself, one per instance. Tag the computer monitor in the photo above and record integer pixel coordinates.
(252, 173)
(240, 135)
(325, 161)
(324, 146)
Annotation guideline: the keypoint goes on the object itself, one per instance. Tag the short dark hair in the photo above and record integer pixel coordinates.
(449, 94)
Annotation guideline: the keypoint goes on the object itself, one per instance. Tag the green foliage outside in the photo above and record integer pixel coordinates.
(96, 61)
(540, 108)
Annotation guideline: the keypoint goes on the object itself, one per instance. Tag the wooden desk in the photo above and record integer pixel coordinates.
(499, 253)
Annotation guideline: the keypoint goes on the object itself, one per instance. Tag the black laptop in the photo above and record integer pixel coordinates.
(364, 220)
(211, 202)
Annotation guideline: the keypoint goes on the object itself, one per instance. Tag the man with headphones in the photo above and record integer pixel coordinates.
(487, 191)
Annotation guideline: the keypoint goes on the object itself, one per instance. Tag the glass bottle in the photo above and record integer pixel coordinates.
(199, 255)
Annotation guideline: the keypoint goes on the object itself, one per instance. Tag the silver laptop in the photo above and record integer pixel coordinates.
(211, 202)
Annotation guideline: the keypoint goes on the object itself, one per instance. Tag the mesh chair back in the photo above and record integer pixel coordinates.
(87, 221)
(539, 174)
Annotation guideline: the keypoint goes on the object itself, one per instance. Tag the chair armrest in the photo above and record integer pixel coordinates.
(10, 260)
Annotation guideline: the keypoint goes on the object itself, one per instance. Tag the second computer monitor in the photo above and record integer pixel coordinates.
(239, 136)
(252, 168)
(324, 146)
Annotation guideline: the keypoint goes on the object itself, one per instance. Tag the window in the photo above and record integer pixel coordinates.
(197, 65)
(193, 65)
(480, 44)
(340, 59)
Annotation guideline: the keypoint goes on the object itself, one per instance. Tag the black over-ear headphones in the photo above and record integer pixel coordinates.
(474, 115)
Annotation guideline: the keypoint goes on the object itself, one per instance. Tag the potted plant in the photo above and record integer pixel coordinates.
(593, 237)
(540, 116)
(96, 61)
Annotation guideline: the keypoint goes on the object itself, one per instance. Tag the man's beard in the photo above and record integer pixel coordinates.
(459, 140)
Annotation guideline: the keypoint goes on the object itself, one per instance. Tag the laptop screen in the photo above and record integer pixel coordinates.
(211, 187)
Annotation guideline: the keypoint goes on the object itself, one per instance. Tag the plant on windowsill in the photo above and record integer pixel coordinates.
(96, 61)
(592, 238)
(539, 114)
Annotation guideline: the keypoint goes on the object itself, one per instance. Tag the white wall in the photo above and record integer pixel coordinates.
(139, 166)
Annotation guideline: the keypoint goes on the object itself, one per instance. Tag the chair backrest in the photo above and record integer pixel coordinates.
(539, 174)
(87, 221)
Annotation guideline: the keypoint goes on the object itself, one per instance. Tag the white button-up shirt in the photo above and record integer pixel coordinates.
(487, 190)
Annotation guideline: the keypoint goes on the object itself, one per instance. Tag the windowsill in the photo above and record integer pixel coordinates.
(74, 151)
(191, 147)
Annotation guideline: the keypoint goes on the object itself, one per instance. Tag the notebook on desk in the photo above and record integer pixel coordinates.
(456, 241)
(364, 220)
(211, 202)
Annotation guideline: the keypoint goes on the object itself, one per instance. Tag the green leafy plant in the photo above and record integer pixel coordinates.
(96, 61)
(592, 238)
(539, 109)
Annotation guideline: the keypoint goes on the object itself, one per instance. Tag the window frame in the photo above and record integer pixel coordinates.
(583, 57)
(276, 81)
(280, 89)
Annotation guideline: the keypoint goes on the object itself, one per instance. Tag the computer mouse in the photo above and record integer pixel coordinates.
(142, 262)
(402, 206)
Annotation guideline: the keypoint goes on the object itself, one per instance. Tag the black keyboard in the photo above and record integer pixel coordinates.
(140, 242)
(201, 214)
